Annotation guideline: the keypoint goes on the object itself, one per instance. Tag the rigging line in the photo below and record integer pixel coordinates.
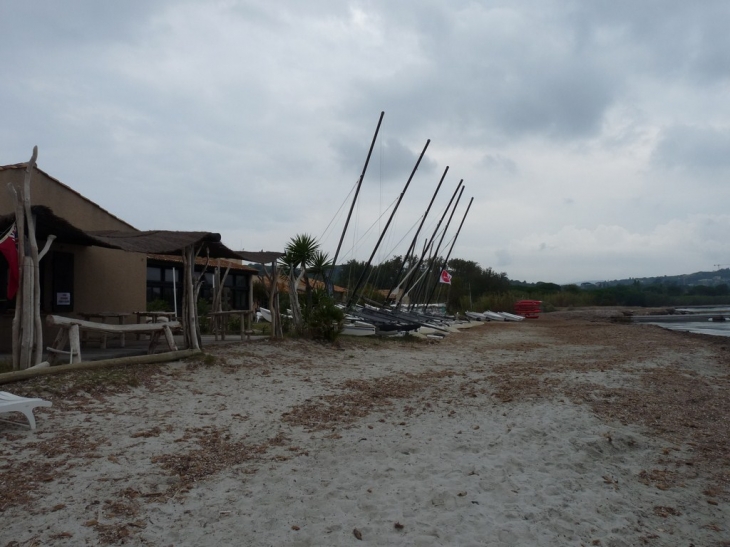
(337, 214)
(373, 224)
(392, 250)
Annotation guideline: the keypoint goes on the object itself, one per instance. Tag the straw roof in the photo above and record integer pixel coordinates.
(150, 242)
(48, 224)
(165, 242)
(262, 257)
(214, 262)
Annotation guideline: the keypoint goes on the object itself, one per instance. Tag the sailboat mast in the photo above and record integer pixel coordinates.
(434, 256)
(415, 237)
(430, 244)
(382, 235)
(352, 206)
(446, 260)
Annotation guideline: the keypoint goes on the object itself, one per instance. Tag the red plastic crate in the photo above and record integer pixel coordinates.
(529, 309)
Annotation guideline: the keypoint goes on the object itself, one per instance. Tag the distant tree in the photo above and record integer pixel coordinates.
(547, 288)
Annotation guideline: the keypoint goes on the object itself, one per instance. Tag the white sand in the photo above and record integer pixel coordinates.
(451, 468)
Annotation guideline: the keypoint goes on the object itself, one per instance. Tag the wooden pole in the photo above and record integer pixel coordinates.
(189, 320)
(273, 305)
(18, 317)
(37, 331)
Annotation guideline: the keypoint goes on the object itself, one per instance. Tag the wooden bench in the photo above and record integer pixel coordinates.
(71, 328)
(102, 317)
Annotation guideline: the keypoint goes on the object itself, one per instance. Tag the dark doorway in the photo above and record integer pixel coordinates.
(63, 282)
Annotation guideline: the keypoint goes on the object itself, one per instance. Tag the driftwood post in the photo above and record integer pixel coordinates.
(219, 322)
(273, 278)
(189, 315)
(27, 331)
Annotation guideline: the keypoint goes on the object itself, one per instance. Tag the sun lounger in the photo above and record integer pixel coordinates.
(14, 403)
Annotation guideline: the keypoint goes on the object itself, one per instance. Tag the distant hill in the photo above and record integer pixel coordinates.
(710, 279)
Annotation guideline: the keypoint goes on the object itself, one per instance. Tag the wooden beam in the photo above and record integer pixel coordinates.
(92, 365)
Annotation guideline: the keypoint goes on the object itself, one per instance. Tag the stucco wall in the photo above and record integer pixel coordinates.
(65, 202)
(104, 279)
(109, 280)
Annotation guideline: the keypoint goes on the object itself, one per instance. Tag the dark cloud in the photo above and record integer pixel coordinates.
(74, 23)
(496, 73)
(391, 160)
(663, 39)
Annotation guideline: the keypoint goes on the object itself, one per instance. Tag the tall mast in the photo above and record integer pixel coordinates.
(415, 237)
(433, 237)
(382, 235)
(435, 251)
(446, 260)
(352, 206)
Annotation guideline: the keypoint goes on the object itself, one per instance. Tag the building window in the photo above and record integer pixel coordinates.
(160, 286)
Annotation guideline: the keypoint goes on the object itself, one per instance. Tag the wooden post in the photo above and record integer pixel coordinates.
(168, 336)
(74, 344)
(189, 306)
(18, 317)
(27, 330)
(276, 330)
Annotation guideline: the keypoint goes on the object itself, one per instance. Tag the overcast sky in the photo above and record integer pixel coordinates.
(594, 136)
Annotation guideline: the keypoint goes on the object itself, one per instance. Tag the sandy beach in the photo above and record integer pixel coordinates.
(566, 430)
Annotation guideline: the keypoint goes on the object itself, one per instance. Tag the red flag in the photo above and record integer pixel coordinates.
(445, 277)
(9, 249)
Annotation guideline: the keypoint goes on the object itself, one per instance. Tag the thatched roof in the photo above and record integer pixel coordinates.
(48, 223)
(165, 242)
(262, 257)
(150, 242)
(202, 260)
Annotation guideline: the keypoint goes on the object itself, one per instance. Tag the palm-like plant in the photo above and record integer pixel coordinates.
(298, 256)
(319, 264)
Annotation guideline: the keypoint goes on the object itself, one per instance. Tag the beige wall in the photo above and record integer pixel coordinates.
(65, 203)
(107, 279)
(104, 279)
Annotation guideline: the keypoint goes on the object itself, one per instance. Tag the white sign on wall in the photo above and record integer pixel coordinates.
(63, 299)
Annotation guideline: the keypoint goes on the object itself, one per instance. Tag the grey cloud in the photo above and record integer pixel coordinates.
(392, 159)
(486, 82)
(504, 258)
(663, 38)
(692, 148)
(499, 162)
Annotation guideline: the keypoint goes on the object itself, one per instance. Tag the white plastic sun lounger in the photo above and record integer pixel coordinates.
(14, 403)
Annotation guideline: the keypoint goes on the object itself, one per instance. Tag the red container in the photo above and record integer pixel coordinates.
(529, 309)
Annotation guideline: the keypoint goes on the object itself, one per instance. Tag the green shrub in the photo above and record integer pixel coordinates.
(322, 319)
(158, 305)
(204, 307)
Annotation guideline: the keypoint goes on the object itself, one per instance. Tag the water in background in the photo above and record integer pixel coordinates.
(711, 326)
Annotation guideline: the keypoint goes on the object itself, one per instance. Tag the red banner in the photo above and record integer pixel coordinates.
(445, 277)
(9, 249)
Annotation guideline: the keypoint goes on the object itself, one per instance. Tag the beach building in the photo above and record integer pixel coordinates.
(101, 264)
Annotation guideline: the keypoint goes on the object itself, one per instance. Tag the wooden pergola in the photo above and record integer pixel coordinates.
(189, 245)
(269, 257)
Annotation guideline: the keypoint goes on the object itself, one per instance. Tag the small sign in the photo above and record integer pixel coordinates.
(63, 299)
